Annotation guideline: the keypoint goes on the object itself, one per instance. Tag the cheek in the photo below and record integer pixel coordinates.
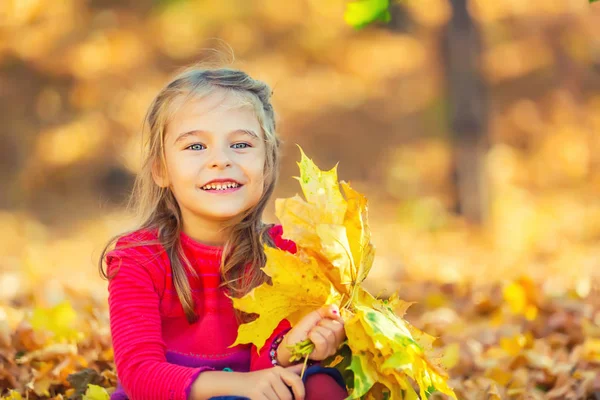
(256, 170)
(259, 182)
(182, 171)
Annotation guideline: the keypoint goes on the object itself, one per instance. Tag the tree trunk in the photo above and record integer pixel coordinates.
(468, 109)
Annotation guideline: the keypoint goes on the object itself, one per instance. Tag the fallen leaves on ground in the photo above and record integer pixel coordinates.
(55, 352)
(490, 351)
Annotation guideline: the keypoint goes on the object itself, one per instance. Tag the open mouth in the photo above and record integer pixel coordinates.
(221, 187)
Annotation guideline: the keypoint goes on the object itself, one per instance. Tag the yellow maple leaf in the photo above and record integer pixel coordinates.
(522, 297)
(95, 392)
(297, 218)
(290, 297)
(60, 320)
(591, 350)
(321, 188)
(451, 355)
(13, 395)
(330, 225)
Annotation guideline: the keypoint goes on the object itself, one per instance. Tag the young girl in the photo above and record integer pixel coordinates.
(210, 168)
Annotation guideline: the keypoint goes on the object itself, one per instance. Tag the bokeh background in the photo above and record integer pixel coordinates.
(471, 127)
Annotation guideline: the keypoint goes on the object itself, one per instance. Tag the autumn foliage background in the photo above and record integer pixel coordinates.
(513, 295)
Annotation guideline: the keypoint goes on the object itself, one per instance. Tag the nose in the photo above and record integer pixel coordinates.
(220, 159)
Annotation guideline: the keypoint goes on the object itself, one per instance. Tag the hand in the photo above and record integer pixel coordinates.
(324, 327)
(277, 383)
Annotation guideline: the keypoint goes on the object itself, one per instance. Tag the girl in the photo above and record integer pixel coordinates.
(210, 168)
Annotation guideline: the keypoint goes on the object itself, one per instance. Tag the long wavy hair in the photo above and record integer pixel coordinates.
(157, 207)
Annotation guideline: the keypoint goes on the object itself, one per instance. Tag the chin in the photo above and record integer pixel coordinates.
(223, 215)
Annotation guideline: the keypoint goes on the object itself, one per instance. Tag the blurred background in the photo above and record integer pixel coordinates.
(472, 127)
(475, 138)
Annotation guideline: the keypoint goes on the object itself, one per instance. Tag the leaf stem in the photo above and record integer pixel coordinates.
(304, 366)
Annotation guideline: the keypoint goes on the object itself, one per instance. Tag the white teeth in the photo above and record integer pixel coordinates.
(220, 186)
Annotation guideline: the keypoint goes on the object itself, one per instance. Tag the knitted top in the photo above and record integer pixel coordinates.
(158, 354)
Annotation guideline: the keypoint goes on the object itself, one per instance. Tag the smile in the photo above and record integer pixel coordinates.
(221, 187)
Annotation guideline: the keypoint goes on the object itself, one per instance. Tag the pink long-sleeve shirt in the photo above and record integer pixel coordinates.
(158, 354)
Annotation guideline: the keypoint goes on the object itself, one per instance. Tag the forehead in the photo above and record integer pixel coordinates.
(217, 112)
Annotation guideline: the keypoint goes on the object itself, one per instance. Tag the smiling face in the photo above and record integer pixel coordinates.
(217, 142)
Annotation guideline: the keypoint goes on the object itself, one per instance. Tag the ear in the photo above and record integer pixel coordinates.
(159, 175)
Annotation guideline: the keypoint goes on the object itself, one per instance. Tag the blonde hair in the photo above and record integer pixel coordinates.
(158, 208)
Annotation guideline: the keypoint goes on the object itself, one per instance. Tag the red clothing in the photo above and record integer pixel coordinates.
(158, 354)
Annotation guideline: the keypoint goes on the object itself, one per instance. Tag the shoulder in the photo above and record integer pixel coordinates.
(140, 247)
(139, 236)
(276, 233)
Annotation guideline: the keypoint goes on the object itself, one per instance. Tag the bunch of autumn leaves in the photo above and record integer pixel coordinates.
(383, 353)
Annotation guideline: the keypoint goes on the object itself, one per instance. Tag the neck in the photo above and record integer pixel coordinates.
(209, 232)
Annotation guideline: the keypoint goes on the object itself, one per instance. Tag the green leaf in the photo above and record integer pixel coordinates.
(363, 378)
(399, 360)
(387, 325)
(342, 361)
(95, 392)
(360, 13)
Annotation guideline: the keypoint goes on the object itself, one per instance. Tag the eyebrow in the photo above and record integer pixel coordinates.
(199, 131)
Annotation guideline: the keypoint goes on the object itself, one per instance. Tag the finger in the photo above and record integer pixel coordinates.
(296, 368)
(305, 325)
(323, 346)
(330, 311)
(336, 327)
(270, 394)
(329, 335)
(301, 329)
(261, 396)
(295, 383)
(280, 389)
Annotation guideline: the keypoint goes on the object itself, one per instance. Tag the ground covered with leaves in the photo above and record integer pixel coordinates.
(498, 342)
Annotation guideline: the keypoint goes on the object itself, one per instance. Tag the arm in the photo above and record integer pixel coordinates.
(215, 383)
(272, 383)
(136, 332)
(324, 327)
(262, 360)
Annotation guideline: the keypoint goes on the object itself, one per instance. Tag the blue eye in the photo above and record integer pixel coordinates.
(243, 145)
(196, 146)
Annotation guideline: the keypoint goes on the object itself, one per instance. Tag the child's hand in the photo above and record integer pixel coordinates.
(275, 383)
(324, 327)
